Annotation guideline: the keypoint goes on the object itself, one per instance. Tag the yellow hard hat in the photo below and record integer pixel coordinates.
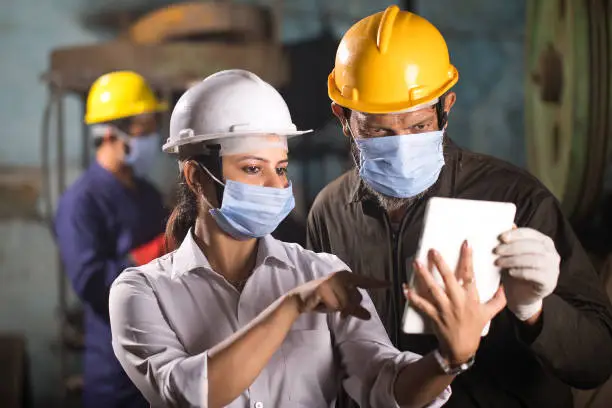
(391, 61)
(119, 95)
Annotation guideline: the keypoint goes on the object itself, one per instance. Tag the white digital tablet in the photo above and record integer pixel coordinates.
(448, 222)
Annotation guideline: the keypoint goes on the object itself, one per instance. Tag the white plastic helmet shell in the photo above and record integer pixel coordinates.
(228, 104)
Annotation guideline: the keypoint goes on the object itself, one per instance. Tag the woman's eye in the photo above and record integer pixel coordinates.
(281, 171)
(251, 169)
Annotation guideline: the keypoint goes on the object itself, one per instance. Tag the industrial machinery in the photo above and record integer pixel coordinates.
(171, 47)
(568, 112)
(568, 99)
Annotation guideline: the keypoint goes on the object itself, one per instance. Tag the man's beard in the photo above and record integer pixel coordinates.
(387, 203)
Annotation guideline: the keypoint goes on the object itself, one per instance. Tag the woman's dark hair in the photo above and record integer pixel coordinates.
(185, 213)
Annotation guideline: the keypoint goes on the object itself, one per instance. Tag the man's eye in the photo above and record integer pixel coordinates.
(375, 132)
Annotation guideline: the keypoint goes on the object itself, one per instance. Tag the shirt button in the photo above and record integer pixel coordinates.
(259, 404)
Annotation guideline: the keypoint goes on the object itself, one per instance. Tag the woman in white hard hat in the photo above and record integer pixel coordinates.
(234, 317)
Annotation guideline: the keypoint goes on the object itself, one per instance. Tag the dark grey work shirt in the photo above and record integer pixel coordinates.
(574, 345)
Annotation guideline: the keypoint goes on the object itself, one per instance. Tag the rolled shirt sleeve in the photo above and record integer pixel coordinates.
(148, 349)
(383, 394)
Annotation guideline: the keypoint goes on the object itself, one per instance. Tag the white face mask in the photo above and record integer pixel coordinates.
(143, 152)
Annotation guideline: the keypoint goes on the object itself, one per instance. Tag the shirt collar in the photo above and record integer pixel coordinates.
(189, 256)
(101, 172)
(442, 188)
(271, 248)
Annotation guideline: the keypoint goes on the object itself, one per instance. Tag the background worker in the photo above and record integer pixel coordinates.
(109, 219)
(391, 93)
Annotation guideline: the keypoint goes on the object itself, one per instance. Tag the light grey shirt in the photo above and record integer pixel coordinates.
(165, 316)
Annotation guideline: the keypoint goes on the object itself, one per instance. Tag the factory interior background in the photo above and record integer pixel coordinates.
(512, 60)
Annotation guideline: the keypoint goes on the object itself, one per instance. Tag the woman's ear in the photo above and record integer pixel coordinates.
(200, 183)
(192, 177)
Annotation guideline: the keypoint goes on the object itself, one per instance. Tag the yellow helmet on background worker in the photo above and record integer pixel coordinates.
(391, 61)
(120, 94)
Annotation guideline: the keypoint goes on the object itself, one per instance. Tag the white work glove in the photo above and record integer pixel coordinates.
(531, 264)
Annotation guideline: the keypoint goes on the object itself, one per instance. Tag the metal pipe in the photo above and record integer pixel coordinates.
(85, 147)
(61, 156)
(47, 198)
(61, 185)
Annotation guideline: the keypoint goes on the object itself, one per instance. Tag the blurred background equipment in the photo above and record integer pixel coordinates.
(14, 387)
(568, 111)
(567, 99)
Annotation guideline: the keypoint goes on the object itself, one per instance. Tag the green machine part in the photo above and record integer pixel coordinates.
(567, 99)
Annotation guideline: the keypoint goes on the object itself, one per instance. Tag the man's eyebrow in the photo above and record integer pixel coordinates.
(423, 121)
(367, 125)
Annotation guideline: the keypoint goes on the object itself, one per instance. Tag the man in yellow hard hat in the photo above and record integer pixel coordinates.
(112, 218)
(391, 91)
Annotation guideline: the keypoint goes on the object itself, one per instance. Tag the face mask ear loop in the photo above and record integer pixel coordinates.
(203, 168)
(210, 173)
(348, 127)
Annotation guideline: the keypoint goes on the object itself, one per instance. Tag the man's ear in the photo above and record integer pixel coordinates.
(340, 113)
(449, 101)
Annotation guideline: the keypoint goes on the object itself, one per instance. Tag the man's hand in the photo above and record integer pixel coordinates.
(337, 292)
(455, 310)
(531, 265)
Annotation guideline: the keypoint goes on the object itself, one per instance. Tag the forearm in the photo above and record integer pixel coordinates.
(234, 363)
(575, 344)
(421, 382)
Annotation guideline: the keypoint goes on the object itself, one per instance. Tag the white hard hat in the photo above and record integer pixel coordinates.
(228, 104)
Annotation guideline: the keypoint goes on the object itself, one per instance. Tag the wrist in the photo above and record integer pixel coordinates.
(454, 359)
(528, 313)
(451, 366)
(290, 303)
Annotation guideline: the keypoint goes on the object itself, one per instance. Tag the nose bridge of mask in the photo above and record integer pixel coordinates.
(266, 199)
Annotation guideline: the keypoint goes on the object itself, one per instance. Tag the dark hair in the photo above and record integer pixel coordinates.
(182, 217)
(185, 213)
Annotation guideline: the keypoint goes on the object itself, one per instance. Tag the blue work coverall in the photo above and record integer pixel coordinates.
(98, 222)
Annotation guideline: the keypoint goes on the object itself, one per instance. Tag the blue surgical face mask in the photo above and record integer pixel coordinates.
(401, 166)
(250, 211)
(143, 151)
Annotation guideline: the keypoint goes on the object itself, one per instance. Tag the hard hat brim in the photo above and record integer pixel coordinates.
(93, 119)
(377, 108)
(172, 147)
